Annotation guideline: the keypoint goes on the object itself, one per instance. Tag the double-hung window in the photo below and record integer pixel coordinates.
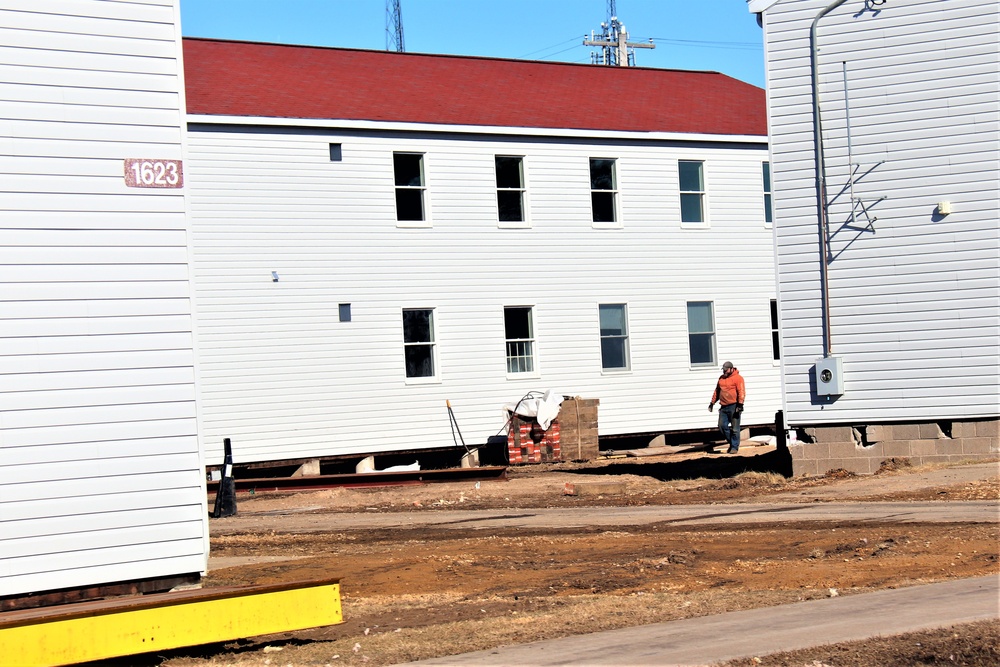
(691, 174)
(419, 347)
(603, 191)
(614, 336)
(510, 190)
(408, 173)
(519, 332)
(766, 176)
(701, 333)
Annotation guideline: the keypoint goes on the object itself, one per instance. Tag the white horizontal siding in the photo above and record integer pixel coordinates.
(128, 565)
(101, 476)
(64, 452)
(170, 425)
(151, 25)
(915, 301)
(57, 509)
(38, 497)
(36, 274)
(107, 531)
(284, 378)
(114, 546)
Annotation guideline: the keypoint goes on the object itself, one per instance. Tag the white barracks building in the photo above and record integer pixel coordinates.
(377, 233)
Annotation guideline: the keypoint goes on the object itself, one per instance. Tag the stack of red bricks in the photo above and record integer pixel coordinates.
(528, 443)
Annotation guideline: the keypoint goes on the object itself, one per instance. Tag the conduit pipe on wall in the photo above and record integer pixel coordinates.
(824, 277)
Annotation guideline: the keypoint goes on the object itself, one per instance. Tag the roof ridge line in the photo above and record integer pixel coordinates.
(449, 55)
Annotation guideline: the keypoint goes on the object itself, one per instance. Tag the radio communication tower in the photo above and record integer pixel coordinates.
(615, 49)
(393, 27)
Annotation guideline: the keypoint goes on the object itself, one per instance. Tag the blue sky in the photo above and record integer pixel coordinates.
(715, 35)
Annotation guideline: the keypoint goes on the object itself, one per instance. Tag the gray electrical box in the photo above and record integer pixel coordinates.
(830, 376)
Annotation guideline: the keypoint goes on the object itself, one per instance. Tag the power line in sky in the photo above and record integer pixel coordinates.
(554, 46)
(745, 46)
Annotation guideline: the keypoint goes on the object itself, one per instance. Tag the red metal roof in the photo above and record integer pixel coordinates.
(232, 78)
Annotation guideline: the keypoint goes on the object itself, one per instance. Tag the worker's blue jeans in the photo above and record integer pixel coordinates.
(729, 424)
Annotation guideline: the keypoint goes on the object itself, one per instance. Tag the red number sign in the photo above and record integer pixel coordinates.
(146, 173)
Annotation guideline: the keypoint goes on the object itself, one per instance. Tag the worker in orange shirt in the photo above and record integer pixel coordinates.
(730, 393)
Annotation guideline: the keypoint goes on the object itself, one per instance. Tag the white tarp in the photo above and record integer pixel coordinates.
(543, 409)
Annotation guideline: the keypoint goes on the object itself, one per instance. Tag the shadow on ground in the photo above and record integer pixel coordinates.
(710, 466)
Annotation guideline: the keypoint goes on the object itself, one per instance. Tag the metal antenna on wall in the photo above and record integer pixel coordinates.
(394, 26)
(856, 202)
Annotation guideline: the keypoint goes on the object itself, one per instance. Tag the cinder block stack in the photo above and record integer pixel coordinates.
(862, 449)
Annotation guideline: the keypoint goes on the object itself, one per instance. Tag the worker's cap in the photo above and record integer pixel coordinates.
(726, 365)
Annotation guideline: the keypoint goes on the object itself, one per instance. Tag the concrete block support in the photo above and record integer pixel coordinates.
(930, 430)
(906, 432)
(843, 450)
(963, 430)
(366, 464)
(837, 447)
(819, 450)
(830, 433)
(980, 446)
(871, 451)
(988, 429)
(470, 459)
(949, 447)
(308, 468)
(895, 448)
(925, 447)
(805, 467)
(877, 433)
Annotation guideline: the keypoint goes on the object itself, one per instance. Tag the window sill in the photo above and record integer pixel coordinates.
(422, 381)
(524, 224)
(524, 376)
(414, 224)
(611, 372)
(608, 225)
(695, 225)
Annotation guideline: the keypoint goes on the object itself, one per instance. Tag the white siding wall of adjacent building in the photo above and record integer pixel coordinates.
(914, 299)
(101, 479)
(284, 378)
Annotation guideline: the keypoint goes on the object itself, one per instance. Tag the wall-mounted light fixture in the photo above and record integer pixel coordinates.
(274, 276)
(944, 208)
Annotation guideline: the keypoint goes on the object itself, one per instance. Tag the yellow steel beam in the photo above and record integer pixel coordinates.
(87, 631)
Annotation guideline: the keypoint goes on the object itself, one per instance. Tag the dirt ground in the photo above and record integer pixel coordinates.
(421, 592)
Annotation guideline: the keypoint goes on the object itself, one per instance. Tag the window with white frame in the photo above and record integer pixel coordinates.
(510, 188)
(775, 331)
(519, 332)
(766, 176)
(603, 190)
(419, 349)
(408, 172)
(701, 332)
(691, 175)
(614, 336)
